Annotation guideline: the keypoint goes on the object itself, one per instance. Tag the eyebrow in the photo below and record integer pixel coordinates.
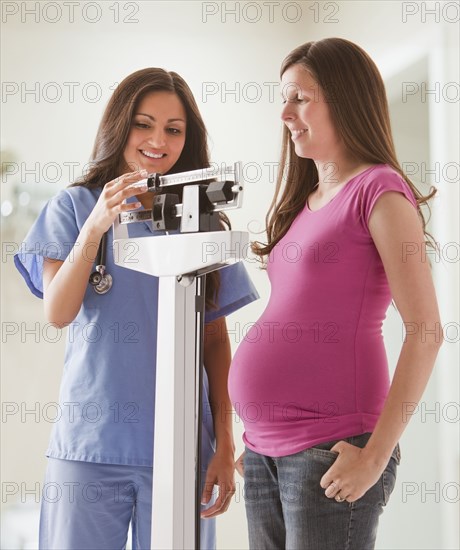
(296, 87)
(169, 119)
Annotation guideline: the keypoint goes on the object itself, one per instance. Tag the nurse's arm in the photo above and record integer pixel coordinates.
(217, 358)
(65, 283)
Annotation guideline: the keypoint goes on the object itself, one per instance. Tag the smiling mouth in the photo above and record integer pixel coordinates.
(152, 155)
(297, 133)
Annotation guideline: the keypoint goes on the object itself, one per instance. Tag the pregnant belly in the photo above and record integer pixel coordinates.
(278, 379)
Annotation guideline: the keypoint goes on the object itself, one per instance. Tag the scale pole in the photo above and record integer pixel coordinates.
(200, 303)
(174, 496)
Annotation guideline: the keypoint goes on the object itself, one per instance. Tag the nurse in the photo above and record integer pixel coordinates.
(100, 453)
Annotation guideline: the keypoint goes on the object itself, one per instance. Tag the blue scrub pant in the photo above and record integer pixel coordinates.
(89, 506)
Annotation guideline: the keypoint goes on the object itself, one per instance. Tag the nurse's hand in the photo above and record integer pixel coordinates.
(353, 473)
(220, 473)
(110, 202)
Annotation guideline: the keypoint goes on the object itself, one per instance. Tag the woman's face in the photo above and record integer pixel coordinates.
(157, 134)
(306, 115)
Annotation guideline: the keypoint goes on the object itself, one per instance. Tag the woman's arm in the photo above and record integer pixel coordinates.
(65, 283)
(394, 226)
(217, 358)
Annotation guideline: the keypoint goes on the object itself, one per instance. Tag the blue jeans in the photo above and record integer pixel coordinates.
(287, 508)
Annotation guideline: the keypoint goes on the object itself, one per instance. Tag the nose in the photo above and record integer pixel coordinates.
(157, 138)
(287, 112)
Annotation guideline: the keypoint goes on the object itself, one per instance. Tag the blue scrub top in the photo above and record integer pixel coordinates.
(108, 382)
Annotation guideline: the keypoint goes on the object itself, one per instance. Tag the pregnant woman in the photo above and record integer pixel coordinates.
(311, 381)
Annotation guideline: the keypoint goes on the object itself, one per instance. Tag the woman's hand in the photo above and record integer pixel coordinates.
(353, 473)
(239, 464)
(110, 202)
(221, 473)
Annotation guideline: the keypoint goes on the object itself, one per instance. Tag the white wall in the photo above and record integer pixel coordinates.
(217, 54)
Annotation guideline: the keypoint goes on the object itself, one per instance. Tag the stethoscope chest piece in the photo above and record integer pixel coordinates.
(101, 282)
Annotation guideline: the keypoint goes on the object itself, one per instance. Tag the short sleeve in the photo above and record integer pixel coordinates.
(53, 236)
(387, 180)
(236, 291)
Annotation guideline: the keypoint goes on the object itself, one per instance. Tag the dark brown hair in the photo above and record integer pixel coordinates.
(107, 159)
(344, 72)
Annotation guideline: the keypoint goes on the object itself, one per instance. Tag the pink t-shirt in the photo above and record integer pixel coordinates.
(313, 368)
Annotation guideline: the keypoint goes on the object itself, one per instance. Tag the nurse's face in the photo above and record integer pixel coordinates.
(157, 134)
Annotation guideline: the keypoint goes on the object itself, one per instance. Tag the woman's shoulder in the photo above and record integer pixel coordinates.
(80, 193)
(382, 172)
(73, 203)
(76, 197)
(379, 179)
(383, 177)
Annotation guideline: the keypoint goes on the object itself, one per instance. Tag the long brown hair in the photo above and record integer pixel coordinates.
(107, 159)
(344, 72)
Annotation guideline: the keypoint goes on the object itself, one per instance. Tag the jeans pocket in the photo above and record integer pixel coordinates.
(323, 450)
(388, 479)
(323, 453)
(397, 454)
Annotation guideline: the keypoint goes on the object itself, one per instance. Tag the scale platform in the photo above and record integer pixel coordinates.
(179, 254)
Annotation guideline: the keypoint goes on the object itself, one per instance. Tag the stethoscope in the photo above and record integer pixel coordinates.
(99, 279)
